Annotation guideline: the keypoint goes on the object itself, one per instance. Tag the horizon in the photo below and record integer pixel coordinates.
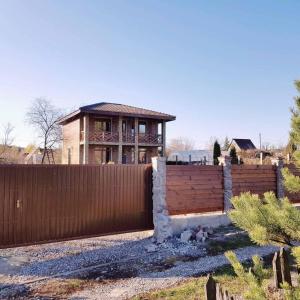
(224, 69)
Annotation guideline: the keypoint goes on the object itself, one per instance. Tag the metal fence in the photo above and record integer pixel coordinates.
(41, 203)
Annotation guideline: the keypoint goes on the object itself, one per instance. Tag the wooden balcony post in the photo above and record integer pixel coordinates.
(120, 150)
(163, 132)
(85, 139)
(136, 141)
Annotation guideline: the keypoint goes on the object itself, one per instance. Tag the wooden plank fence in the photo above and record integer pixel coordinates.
(58, 202)
(192, 189)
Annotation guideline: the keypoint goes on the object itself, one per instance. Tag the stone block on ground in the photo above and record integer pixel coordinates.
(186, 236)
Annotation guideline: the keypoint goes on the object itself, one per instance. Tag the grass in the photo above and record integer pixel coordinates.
(235, 242)
(59, 287)
(194, 288)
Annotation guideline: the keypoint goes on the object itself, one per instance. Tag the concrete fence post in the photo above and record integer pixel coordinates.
(161, 218)
(225, 161)
(279, 178)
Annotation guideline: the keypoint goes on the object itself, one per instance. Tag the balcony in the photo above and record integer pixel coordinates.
(101, 137)
(113, 137)
(148, 138)
(128, 138)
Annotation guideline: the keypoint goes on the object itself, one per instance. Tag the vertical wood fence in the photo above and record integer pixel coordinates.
(57, 202)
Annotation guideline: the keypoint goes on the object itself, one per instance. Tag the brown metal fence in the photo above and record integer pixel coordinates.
(58, 202)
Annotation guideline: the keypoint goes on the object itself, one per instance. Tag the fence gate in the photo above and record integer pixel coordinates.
(41, 203)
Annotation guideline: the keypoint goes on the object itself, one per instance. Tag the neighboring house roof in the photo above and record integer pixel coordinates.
(243, 144)
(115, 109)
(196, 155)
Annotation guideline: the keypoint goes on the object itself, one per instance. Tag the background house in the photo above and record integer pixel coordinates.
(242, 145)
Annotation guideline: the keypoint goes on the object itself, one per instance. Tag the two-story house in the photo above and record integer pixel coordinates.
(113, 133)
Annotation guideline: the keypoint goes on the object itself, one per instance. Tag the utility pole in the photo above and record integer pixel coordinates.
(260, 141)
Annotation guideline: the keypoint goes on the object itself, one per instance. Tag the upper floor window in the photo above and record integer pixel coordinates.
(102, 125)
(142, 127)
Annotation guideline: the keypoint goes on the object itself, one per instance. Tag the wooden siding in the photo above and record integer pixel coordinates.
(57, 202)
(194, 189)
(256, 179)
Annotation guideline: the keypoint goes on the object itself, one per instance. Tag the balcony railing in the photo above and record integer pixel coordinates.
(148, 138)
(113, 137)
(103, 137)
(128, 138)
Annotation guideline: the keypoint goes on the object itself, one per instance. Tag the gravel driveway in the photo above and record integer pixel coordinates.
(118, 266)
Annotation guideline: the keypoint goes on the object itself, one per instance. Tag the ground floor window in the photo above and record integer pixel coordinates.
(102, 155)
(142, 156)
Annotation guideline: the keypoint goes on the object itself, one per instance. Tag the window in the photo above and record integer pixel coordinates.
(124, 127)
(142, 127)
(142, 156)
(102, 125)
(102, 155)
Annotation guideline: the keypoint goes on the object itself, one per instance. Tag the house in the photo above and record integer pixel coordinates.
(113, 133)
(192, 156)
(242, 145)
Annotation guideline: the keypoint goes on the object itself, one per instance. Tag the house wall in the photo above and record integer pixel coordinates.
(71, 140)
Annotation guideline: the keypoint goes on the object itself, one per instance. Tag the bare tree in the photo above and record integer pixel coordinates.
(7, 140)
(180, 144)
(43, 116)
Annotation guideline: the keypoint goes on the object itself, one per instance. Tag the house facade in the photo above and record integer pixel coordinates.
(113, 133)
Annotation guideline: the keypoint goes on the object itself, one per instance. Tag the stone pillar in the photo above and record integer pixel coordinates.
(120, 148)
(136, 141)
(163, 132)
(278, 162)
(86, 139)
(225, 161)
(161, 219)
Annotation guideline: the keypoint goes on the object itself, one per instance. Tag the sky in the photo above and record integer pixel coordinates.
(224, 68)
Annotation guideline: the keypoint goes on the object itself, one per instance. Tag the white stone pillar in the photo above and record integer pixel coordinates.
(136, 141)
(161, 218)
(225, 161)
(278, 162)
(120, 146)
(86, 139)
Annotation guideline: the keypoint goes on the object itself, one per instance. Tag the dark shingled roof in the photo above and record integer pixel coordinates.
(245, 144)
(119, 110)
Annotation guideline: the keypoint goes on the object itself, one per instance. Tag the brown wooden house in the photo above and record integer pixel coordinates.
(113, 133)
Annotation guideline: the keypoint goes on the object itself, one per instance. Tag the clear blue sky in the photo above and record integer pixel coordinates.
(222, 67)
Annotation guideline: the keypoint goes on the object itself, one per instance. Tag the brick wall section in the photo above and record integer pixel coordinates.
(71, 134)
(256, 179)
(194, 189)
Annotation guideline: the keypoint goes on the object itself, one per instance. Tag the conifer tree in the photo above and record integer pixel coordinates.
(226, 144)
(216, 152)
(270, 220)
(233, 155)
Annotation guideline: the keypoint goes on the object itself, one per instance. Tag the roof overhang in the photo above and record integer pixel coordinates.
(76, 113)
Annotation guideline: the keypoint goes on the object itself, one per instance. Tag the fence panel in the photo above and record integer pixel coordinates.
(194, 189)
(256, 179)
(57, 202)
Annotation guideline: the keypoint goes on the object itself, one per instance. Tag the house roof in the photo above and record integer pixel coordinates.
(244, 144)
(115, 109)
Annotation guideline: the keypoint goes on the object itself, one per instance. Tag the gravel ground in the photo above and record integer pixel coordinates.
(44, 261)
(124, 289)
(119, 266)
